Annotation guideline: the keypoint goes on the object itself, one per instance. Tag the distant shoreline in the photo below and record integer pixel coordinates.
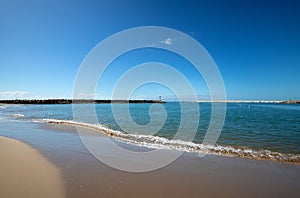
(256, 101)
(90, 101)
(75, 101)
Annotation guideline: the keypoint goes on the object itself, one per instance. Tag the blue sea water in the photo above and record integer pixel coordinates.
(274, 127)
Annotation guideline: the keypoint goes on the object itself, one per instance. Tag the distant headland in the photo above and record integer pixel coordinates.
(75, 101)
(91, 101)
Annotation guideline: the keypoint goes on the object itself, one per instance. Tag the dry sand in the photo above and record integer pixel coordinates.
(26, 173)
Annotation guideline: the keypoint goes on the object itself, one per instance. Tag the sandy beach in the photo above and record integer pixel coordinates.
(26, 173)
(82, 175)
(150, 99)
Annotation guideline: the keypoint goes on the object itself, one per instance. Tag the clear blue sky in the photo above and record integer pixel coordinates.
(256, 44)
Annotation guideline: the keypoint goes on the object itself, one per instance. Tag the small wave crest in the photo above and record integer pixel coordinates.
(16, 115)
(163, 143)
(2, 106)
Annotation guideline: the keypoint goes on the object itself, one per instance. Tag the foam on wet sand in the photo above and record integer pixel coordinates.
(189, 176)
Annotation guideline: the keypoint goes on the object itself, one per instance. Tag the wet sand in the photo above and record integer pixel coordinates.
(188, 176)
(26, 173)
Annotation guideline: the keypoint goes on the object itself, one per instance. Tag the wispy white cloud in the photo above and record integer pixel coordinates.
(12, 94)
(167, 41)
(90, 96)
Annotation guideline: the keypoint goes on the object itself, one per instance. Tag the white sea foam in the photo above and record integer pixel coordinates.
(163, 143)
(16, 115)
(2, 106)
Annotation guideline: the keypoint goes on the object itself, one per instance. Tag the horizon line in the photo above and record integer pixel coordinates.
(224, 101)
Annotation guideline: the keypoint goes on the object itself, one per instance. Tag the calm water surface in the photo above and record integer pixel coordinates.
(274, 127)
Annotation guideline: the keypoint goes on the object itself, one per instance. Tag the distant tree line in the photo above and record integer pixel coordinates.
(76, 101)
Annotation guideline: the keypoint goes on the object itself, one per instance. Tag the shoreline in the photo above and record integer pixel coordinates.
(188, 176)
(155, 142)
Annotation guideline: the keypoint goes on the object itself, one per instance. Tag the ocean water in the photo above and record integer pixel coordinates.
(260, 131)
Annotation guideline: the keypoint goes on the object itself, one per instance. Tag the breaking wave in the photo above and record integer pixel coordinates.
(16, 115)
(163, 143)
